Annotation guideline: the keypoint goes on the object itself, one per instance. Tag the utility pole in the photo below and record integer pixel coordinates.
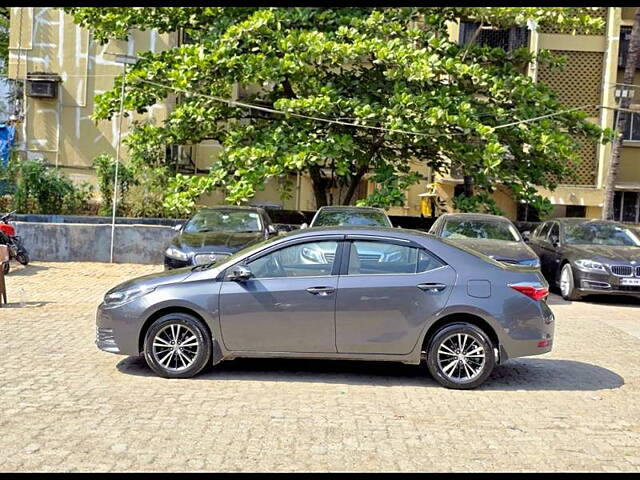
(124, 60)
(622, 118)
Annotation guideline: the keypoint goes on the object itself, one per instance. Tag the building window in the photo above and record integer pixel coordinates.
(623, 49)
(579, 211)
(632, 132)
(626, 206)
(506, 38)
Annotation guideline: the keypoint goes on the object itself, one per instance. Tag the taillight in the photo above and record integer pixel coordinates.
(534, 291)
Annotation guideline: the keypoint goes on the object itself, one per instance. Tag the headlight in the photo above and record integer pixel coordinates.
(590, 266)
(531, 262)
(121, 297)
(174, 252)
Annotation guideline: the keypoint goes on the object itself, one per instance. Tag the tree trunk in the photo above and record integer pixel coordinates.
(353, 186)
(468, 185)
(319, 187)
(621, 124)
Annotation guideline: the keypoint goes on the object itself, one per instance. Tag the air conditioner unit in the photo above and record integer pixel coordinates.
(42, 85)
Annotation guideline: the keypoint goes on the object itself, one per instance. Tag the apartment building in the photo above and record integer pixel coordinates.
(65, 69)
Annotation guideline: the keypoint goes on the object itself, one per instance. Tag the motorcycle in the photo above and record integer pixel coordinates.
(9, 238)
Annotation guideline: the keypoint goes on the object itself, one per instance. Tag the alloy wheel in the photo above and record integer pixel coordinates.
(461, 357)
(564, 282)
(175, 347)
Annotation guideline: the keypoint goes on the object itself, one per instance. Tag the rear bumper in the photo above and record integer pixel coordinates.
(539, 333)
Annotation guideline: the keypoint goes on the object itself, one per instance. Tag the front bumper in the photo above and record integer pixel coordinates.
(118, 328)
(589, 283)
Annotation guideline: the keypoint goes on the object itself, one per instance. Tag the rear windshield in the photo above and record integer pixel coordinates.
(487, 229)
(328, 218)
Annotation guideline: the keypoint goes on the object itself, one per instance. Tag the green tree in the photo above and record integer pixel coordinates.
(4, 39)
(393, 70)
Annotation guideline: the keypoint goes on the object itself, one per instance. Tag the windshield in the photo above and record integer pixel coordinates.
(485, 229)
(326, 218)
(600, 234)
(224, 220)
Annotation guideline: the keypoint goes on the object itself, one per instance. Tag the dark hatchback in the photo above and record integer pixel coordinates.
(490, 235)
(586, 257)
(215, 233)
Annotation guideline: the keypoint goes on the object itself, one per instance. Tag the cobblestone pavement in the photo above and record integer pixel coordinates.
(66, 406)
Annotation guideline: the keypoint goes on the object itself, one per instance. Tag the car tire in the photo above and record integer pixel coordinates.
(23, 258)
(177, 345)
(442, 347)
(6, 266)
(568, 290)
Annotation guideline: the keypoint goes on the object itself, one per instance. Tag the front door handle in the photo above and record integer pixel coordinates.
(322, 291)
(431, 287)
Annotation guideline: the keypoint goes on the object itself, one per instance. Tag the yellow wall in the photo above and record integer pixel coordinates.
(60, 130)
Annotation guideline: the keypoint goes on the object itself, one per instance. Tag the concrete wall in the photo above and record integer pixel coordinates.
(77, 242)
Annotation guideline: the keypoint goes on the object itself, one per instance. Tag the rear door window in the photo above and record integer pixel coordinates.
(374, 258)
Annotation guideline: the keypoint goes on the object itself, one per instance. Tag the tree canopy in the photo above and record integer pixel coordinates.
(413, 93)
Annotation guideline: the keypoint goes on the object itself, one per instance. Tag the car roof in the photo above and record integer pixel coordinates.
(475, 216)
(231, 207)
(582, 220)
(357, 230)
(350, 208)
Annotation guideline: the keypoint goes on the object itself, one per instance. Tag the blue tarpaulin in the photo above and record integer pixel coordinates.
(7, 136)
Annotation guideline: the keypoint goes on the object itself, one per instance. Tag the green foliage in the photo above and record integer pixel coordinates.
(376, 67)
(4, 39)
(146, 196)
(38, 188)
(479, 203)
(105, 166)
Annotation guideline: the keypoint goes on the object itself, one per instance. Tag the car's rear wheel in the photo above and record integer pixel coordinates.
(177, 345)
(567, 284)
(460, 356)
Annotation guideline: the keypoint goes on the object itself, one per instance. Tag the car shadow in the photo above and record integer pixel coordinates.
(24, 304)
(520, 374)
(18, 270)
(618, 300)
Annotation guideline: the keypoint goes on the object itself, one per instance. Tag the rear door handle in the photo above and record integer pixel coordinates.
(431, 287)
(322, 291)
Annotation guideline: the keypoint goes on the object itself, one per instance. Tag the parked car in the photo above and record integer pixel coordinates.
(215, 233)
(349, 216)
(431, 302)
(492, 235)
(584, 256)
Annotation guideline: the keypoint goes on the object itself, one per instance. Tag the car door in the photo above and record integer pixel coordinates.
(387, 290)
(288, 305)
(548, 248)
(536, 242)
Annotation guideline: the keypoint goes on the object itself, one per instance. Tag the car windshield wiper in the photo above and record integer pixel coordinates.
(204, 266)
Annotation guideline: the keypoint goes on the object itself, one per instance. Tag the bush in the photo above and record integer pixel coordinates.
(34, 187)
(145, 198)
(105, 170)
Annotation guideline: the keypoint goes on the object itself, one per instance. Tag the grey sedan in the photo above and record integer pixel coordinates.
(422, 300)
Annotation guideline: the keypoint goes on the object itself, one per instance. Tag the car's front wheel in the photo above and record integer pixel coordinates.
(460, 356)
(567, 284)
(177, 345)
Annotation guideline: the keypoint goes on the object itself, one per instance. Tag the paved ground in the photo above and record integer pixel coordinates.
(65, 406)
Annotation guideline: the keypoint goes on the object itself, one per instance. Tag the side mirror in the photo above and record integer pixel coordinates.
(272, 230)
(304, 225)
(526, 235)
(177, 227)
(240, 273)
